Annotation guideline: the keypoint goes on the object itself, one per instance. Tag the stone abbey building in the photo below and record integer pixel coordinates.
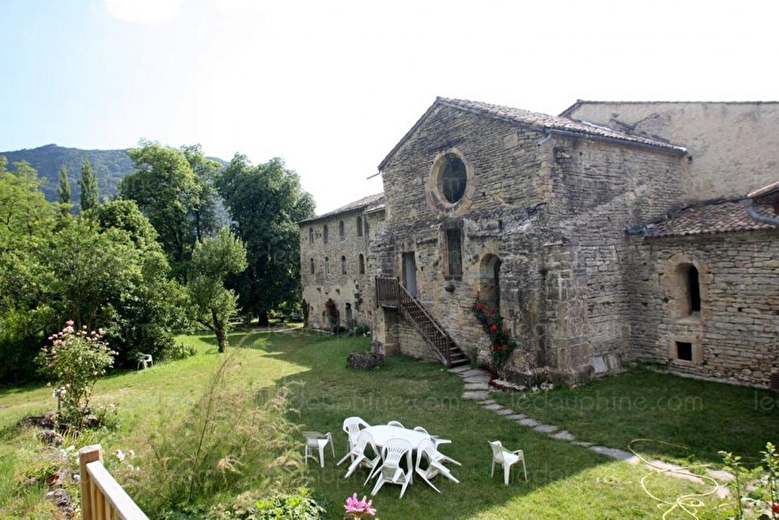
(615, 232)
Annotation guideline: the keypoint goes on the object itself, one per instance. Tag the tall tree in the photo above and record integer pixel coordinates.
(166, 189)
(213, 260)
(266, 201)
(203, 209)
(88, 184)
(64, 188)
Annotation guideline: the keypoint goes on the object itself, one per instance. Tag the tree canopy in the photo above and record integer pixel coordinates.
(266, 201)
(172, 188)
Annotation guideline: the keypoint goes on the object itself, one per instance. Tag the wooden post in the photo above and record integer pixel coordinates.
(86, 455)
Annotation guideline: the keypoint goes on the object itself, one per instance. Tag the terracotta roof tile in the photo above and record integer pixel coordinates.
(371, 200)
(721, 217)
(549, 122)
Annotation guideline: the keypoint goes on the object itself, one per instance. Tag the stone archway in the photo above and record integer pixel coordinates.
(489, 280)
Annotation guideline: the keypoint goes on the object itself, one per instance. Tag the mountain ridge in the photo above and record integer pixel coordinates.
(111, 166)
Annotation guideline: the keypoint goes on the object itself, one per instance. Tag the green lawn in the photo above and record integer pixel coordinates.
(699, 417)
(565, 481)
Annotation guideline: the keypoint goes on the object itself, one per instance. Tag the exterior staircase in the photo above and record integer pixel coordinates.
(391, 293)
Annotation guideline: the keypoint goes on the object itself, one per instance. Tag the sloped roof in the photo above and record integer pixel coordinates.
(541, 122)
(709, 219)
(771, 189)
(358, 205)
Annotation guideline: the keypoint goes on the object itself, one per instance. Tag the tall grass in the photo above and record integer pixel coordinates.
(229, 441)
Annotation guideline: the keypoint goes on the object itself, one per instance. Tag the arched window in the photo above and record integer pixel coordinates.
(313, 269)
(311, 236)
(694, 288)
(341, 230)
(325, 237)
(343, 265)
(361, 261)
(359, 226)
(684, 282)
(327, 265)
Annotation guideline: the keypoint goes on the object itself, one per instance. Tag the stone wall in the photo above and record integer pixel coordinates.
(599, 189)
(734, 336)
(328, 279)
(552, 210)
(732, 146)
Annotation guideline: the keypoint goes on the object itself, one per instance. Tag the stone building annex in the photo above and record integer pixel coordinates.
(615, 232)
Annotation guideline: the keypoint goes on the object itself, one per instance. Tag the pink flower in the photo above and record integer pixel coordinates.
(358, 507)
(69, 323)
(493, 328)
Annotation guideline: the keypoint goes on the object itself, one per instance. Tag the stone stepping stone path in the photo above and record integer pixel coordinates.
(477, 388)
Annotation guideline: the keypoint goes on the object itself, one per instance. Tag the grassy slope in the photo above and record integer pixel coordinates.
(565, 481)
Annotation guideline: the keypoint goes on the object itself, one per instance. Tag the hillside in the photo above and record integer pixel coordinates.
(111, 167)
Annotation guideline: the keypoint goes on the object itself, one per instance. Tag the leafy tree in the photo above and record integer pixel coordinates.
(203, 209)
(88, 184)
(64, 188)
(266, 201)
(170, 194)
(27, 222)
(212, 261)
(151, 306)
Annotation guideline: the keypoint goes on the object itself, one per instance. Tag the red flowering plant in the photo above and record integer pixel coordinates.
(73, 362)
(501, 342)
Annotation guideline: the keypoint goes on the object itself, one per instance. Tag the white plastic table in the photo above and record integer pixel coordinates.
(381, 433)
(384, 432)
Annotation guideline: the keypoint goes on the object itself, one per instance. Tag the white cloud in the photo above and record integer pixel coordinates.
(148, 12)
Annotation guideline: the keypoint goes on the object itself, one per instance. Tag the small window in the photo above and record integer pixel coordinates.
(341, 230)
(327, 265)
(454, 252)
(343, 265)
(359, 226)
(694, 289)
(313, 269)
(361, 260)
(311, 236)
(683, 351)
(325, 237)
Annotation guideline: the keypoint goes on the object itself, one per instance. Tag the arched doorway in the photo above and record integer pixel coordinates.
(489, 280)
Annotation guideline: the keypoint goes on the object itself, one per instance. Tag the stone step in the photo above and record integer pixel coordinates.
(476, 395)
(476, 386)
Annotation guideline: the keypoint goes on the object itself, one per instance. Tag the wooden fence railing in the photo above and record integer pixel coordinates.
(102, 498)
(387, 292)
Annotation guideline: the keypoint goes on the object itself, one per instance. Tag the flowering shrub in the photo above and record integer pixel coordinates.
(757, 489)
(501, 342)
(356, 508)
(74, 362)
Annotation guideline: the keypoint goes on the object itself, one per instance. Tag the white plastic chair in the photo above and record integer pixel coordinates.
(390, 470)
(506, 458)
(359, 457)
(427, 450)
(436, 439)
(395, 423)
(352, 428)
(318, 441)
(144, 359)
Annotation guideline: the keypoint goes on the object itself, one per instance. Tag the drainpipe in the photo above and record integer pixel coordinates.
(754, 215)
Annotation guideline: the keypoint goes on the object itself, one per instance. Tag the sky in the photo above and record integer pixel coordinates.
(331, 87)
